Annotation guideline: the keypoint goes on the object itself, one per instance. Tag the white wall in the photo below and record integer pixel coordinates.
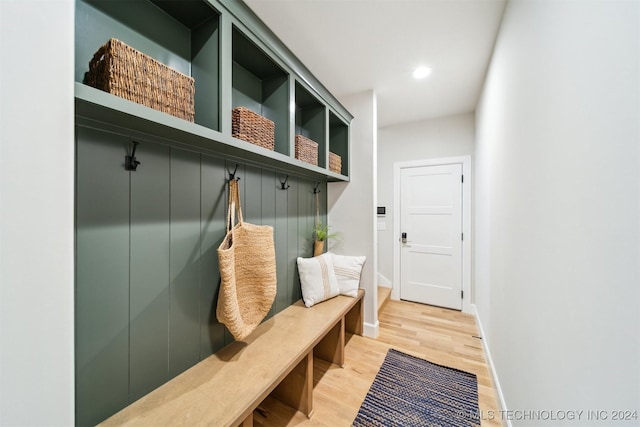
(351, 206)
(428, 139)
(558, 203)
(36, 213)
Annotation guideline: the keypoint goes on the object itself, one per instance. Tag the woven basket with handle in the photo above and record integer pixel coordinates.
(247, 262)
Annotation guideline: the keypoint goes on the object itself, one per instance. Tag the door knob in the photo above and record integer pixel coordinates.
(404, 237)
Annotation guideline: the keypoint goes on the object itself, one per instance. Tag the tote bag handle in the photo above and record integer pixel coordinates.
(234, 209)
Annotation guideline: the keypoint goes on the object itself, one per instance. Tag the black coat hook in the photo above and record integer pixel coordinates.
(315, 189)
(130, 162)
(232, 175)
(284, 184)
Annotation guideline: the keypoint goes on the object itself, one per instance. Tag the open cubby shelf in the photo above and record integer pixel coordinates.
(339, 140)
(185, 38)
(260, 85)
(234, 60)
(310, 120)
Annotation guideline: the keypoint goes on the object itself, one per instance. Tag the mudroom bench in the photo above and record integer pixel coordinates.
(276, 359)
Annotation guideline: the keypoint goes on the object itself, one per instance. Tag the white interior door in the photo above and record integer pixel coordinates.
(431, 217)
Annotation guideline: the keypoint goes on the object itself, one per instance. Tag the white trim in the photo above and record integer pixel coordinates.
(492, 368)
(371, 330)
(466, 222)
(383, 281)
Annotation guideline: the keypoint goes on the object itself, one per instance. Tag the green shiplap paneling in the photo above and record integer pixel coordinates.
(184, 310)
(310, 213)
(251, 189)
(281, 241)
(149, 269)
(102, 276)
(269, 185)
(230, 167)
(323, 215)
(293, 282)
(306, 212)
(213, 229)
(268, 215)
(147, 273)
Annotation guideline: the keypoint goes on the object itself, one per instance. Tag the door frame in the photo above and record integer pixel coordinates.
(465, 161)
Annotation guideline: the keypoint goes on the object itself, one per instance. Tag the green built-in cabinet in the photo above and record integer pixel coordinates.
(235, 61)
(147, 277)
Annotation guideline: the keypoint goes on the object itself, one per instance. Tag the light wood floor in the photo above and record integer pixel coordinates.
(442, 336)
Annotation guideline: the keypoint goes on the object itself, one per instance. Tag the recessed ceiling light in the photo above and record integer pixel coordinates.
(421, 72)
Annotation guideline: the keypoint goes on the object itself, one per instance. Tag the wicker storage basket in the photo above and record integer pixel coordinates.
(335, 162)
(123, 71)
(252, 127)
(306, 150)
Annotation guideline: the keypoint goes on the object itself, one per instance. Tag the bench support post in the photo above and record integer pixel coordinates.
(248, 422)
(296, 389)
(355, 318)
(331, 347)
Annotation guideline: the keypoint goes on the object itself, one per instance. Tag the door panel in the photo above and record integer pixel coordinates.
(431, 215)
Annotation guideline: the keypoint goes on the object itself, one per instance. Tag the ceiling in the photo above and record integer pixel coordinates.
(358, 45)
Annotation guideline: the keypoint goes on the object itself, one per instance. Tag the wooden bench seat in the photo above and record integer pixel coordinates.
(276, 359)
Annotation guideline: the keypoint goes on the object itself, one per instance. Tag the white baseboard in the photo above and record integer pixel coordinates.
(496, 381)
(371, 330)
(383, 281)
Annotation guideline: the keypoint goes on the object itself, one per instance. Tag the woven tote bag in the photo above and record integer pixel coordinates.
(247, 262)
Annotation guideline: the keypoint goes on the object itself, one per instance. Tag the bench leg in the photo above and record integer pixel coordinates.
(354, 318)
(296, 389)
(248, 422)
(331, 347)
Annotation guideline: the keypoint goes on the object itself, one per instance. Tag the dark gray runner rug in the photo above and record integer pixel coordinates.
(409, 391)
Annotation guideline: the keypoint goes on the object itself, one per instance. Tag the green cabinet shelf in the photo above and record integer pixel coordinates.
(235, 60)
(101, 110)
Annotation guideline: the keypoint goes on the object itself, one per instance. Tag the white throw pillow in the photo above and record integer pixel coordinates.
(348, 270)
(317, 279)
